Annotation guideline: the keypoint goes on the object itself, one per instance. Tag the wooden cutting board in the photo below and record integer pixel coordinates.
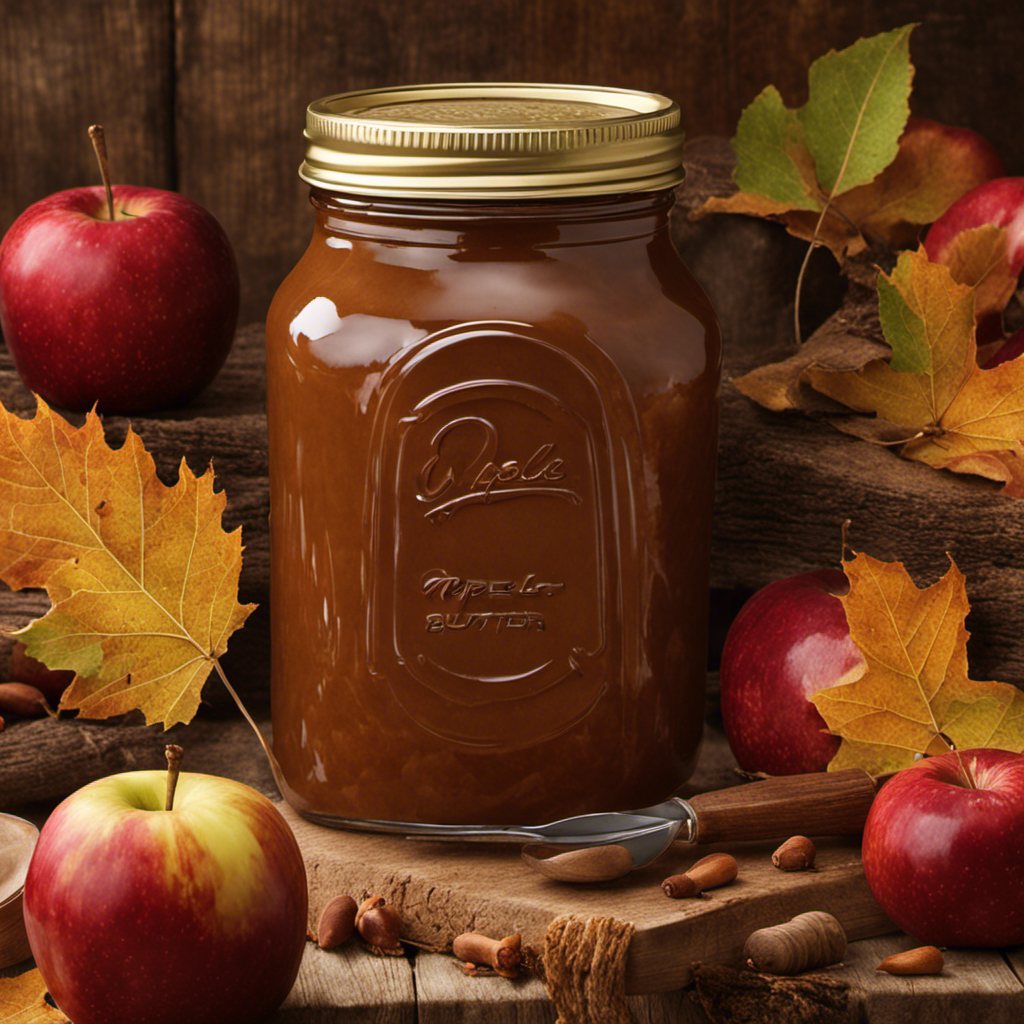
(442, 889)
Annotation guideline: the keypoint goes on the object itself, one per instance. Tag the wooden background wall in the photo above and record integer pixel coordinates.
(208, 96)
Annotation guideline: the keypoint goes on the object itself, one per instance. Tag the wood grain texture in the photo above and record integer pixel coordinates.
(66, 66)
(209, 98)
(975, 985)
(44, 760)
(445, 993)
(350, 986)
(826, 803)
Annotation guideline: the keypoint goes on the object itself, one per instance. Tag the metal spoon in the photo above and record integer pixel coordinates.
(824, 803)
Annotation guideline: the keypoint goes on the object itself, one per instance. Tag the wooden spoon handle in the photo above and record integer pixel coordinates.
(820, 804)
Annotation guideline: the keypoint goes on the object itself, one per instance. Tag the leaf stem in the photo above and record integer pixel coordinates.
(275, 767)
(174, 755)
(99, 144)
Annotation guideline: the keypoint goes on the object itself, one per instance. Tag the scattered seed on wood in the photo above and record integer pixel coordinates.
(503, 955)
(922, 960)
(337, 922)
(795, 854)
(708, 873)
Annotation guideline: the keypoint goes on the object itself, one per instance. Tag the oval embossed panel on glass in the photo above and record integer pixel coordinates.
(492, 401)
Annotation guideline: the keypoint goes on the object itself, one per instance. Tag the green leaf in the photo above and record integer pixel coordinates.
(857, 109)
(772, 159)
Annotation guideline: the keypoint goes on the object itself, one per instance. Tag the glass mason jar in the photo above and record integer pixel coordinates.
(492, 402)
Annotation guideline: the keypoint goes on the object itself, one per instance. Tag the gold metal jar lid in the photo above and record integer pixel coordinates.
(493, 140)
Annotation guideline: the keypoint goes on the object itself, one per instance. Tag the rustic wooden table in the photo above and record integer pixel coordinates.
(353, 985)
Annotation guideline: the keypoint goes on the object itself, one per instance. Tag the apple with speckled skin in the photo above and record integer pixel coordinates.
(135, 313)
(787, 642)
(196, 915)
(999, 202)
(942, 849)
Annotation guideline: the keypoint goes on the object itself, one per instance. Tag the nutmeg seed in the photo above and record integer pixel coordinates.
(795, 854)
(922, 960)
(337, 922)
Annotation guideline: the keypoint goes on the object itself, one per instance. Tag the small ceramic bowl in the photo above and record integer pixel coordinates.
(17, 841)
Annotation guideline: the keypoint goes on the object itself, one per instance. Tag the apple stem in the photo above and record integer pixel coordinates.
(174, 755)
(99, 144)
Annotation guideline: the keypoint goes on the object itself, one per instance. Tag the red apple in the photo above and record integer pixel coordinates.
(999, 202)
(133, 312)
(1010, 348)
(788, 641)
(197, 914)
(942, 849)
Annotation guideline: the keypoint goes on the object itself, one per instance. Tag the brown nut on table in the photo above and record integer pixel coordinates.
(23, 700)
(379, 925)
(337, 922)
(708, 873)
(503, 955)
(795, 854)
(922, 960)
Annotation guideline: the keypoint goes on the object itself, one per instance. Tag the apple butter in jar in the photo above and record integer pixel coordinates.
(492, 403)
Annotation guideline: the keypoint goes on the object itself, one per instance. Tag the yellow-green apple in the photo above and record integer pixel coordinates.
(139, 914)
(787, 642)
(942, 849)
(134, 312)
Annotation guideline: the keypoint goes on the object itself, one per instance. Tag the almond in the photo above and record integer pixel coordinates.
(922, 960)
(337, 922)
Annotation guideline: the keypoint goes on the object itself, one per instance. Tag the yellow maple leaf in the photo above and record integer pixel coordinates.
(932, 386)
(22, 1001)
(142, 578)
(915, 688)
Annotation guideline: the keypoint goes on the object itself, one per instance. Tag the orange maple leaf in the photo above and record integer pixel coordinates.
(23, 1001)
(915, 688)
(143, 579)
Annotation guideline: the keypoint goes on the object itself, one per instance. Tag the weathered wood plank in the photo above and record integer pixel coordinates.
(350, 986)
(445, 993)
(442, 889)
(66, 66)
(44, 760)
(975, 985)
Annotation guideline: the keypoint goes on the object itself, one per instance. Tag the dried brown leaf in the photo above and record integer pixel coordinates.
(846, 342)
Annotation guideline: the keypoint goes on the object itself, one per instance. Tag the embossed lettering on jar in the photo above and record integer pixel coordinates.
(492, 395)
